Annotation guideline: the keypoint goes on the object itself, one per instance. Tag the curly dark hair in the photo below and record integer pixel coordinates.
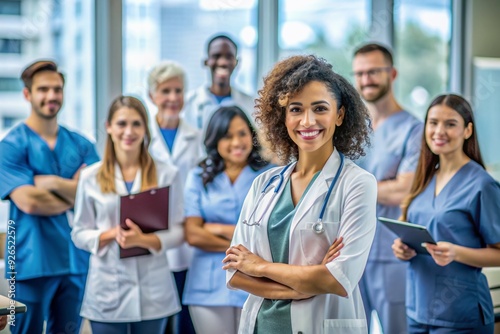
(217, 128)
(287, 78)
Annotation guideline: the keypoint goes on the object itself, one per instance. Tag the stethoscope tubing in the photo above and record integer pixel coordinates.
(318, 226)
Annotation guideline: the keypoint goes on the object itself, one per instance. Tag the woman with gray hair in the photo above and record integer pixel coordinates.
(174, 142)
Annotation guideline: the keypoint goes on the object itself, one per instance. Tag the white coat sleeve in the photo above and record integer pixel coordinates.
(85, 233)
(357, 227)
(174, 236)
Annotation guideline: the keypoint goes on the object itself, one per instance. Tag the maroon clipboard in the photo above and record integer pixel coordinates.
(149, 210)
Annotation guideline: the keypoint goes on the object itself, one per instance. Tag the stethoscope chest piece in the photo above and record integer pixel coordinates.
(318, 227)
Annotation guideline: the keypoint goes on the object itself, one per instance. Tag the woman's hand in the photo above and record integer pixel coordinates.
(240, 258)
(130, 238)
(402, 251)
(334, 251)
(108, 236)
(443, 253)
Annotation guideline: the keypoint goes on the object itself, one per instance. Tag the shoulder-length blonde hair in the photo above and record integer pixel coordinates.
(106, 173)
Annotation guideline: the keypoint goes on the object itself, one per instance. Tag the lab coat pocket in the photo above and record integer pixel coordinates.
(103, 289)
(315, 245)
(345, 326)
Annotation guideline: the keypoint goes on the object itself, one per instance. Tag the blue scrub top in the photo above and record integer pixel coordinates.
(43, 244)
(466, 212)
(220, 202)
(395, 149)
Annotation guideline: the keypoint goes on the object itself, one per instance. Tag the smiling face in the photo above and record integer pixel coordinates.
(46, 94)
(169, 97)
(373, 75)
(127, 130)
(236, 146)
(311, 118)
(445, 131)
(221, 61)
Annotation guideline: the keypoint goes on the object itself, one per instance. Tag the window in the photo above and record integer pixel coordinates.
(422, 36)
(485, 101)
(328, 28)
(10, 7)
(9, 45)
(178, 30)
(78, 8)
(10, 84)
(9, 121)
(61, 33)
(78, 43)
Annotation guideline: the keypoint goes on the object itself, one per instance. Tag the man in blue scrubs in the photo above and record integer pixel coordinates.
(392, 159)
(39, 166)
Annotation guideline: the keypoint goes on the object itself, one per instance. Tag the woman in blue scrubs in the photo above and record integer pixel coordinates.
(459, 202)
(214, 195)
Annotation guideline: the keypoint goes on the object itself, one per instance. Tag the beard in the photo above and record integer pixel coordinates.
(383, 89)
(47, 116)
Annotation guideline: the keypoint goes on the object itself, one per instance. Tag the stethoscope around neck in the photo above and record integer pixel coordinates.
(318, 226)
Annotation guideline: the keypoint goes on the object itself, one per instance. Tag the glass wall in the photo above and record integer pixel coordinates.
(156, 30)
(422, 51)
(47, 29)
(328, 28)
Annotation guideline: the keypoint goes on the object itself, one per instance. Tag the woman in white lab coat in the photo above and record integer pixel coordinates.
(174, 141)
(135, 294)
(311, 117)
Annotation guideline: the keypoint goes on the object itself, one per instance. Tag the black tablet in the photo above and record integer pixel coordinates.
(411, 234)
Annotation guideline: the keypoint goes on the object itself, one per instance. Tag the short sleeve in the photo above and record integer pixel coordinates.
(192, 194)
(357, 227)
(411, 151)
(14, 168)
(487, 212)
(91, 155)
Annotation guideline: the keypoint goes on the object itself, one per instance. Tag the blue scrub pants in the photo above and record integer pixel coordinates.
(180, 323)
(155, 326)
(56, 299)
(383, 289)
(418, 328)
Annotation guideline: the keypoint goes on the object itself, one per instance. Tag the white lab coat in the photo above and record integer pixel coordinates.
(187, 152)
(131, 289)
(200, 105)
(350, 213)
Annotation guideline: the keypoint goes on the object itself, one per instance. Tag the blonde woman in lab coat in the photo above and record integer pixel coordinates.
(174, 141)
(135, 294)
(312, 118)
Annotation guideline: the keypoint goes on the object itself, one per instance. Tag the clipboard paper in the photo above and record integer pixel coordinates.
(147, 209)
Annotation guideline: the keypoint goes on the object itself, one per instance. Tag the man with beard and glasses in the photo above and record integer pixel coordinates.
(203, 102)
(392, 159)
(40, 162)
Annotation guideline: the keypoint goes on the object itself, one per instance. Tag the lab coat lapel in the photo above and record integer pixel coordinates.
(317, 192)
(262, 245)
(158, 147)
(120, 183)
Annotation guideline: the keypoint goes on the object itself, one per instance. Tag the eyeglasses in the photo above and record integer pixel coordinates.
(371, 73)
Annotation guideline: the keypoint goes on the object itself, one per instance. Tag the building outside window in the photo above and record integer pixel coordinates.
(422, 51)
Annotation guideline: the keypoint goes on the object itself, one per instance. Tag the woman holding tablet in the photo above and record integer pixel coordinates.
(459, 202)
